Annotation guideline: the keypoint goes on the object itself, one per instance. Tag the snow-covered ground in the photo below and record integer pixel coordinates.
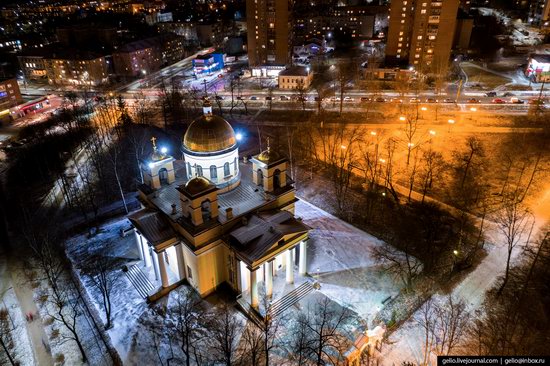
(338, 258)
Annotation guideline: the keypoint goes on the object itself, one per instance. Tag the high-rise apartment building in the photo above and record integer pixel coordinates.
(269, 31)
(421, 32)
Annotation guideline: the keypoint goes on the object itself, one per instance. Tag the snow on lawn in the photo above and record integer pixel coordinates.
(22, 350)
(339, 259)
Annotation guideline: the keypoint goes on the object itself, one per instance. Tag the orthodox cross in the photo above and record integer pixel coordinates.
(268, 147)
(154, 141)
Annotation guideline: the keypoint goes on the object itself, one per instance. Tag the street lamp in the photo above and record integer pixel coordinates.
(402, 118)
(424, 109)
(432, 132)
(373, 133)
(163, 150)
(473, 109)
(451, 123)
(239, 136)
(342, 147)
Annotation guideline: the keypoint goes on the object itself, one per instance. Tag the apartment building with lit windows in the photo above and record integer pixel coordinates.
(269, 31)
(421, 32)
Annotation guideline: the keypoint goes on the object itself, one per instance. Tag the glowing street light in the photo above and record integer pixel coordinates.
(342, 147)
(382, 160)
(239, 136)
(151, 165)
(455, 252)
(163, 150)
(451, 121)
(402, 118)
(424, 109)
(410, 144)
(373, 133)
(473, 109)
(432, 132)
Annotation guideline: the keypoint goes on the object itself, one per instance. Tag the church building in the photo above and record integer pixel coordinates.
(213, 218)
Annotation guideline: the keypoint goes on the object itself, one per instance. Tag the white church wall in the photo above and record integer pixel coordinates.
(219, 160)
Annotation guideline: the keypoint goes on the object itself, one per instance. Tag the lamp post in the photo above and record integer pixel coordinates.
(451, 123)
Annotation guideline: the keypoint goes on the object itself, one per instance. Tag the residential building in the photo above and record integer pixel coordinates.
(295, 77)
(79, 35)
(145, 56)
(463, 33)
(421, 32)
(269, 31)
(64, 66)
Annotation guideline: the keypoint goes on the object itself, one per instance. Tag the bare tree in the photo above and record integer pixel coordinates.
(187, 315)
(399, 263)
(298, 348)
(432, 166)
(512, 221)
(325, 324)
(6, 338)
(104, 275)
(224, 328)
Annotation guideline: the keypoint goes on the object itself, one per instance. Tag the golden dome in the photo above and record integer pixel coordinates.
(268, 155)
(209, 133)
(197, 185)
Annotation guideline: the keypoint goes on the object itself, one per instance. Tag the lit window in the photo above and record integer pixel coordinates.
(419, 37)
(423, 11)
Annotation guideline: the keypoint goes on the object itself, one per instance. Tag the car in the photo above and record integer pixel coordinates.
(335, 99)
(284, 97)
(317, 99)
(491, 94)
(366, 99)
(431, 100)
(219, 97)
(498, 101)
(268, 98)
(396, 100)
(348, 99)
(414, 100)
(473, 100)
(380, 100)
(239, 98)
(516, 100)
(253, 97)
(536, 101)
(449, 100)
(508, 94)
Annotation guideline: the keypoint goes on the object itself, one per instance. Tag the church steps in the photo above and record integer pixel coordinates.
(141, 283)
(288, 300)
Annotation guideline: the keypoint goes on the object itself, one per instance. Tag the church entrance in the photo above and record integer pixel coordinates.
(163, 176)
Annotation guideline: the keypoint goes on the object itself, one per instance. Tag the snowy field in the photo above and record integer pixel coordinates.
(22, 349)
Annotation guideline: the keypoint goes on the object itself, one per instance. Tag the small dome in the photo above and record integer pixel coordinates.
(197, 185)
(209, 133)
(157, 156)
(268, 155)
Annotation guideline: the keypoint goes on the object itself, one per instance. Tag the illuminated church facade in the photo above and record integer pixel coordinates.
(213, 218)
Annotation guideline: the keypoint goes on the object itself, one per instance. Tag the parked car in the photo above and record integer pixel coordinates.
(414, 100)
(431, 100)
(449, 100)
(284, 97)
(268, 98)
(253, 97)
(366, 99)
(335, 99)
(380, 100)
(239, 98)
(491, 94)
(349, 99)
(219, 97)
(498, 101)
(516, 100)
(473, 100)
(396, 100)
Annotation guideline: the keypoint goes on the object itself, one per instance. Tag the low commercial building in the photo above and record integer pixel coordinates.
(295, 77)
(538, 68)
(10, 96)
(208, 63)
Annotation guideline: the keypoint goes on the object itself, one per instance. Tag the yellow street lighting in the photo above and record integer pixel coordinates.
(473, 109)
(342, 146)
(455, 252)
(432, 132)
(451, 121)
(410, 144)
(402, 118)
(424, 109)
(382, 160)
(373, 133)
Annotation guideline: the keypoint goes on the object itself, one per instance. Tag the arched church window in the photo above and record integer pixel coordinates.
(260, 175)
(189, 171)
(277, 179)
(235, 164)
(213, 172)
(199, 170)
(226, 171)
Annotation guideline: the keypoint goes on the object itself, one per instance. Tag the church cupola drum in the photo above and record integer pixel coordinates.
(210, 150)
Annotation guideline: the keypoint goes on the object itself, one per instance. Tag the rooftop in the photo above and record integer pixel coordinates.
(295, 71)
